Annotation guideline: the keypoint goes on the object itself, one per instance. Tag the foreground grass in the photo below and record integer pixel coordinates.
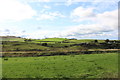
(70, 66)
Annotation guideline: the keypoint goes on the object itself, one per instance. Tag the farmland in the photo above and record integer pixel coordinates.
(59, 58)
(56, 46)
(70, 66)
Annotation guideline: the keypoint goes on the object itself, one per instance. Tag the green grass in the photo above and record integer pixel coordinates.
(85, 41)
(70, 66)
(52, 39)
(23, 47)
(13, 39)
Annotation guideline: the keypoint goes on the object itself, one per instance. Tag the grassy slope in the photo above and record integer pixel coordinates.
(76, 66)
(13, 39)
(53, 39)
(50, 40)
(85, 40)
(29, 45)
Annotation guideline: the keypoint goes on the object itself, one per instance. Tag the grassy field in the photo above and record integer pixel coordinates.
(52, 39)
(70, 66)
(59, 58)
(13, 39)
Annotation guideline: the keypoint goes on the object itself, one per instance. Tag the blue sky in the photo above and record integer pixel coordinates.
(88, 19)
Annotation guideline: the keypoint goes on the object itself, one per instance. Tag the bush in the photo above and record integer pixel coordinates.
(27, 40)
(44, 44)
(5, 59)
(96, 41)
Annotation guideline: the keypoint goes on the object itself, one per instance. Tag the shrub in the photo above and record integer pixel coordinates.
(5, 59)
(96, 41)
(44, 44)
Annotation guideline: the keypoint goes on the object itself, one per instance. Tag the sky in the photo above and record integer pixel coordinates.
(38, 19)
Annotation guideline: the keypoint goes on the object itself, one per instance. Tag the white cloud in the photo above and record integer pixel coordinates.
(45, 17)
(44, 0)
(104, 24)
(47, 7)
(25, 1)
(85, 30)
(11, 31)
(70, 2)
(15, 10)
(106, 19)
(40, 34)
(80, 13)
(50, 15)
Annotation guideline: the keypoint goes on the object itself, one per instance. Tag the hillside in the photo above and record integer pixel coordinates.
(59, 58)
(55, 46)
(11, 38)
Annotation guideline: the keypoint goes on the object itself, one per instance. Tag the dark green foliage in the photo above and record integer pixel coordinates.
(96, 41)
(27, 40)
(44, 44)
(5, 59)
(107, 40)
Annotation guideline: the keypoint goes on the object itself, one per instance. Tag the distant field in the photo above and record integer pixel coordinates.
(70, 66)
(85, 40)
(13, 39)
(52, 39)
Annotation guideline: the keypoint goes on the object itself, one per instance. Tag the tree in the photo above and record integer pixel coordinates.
(44, 44)
(27, 40)
(107, 40)
(96, 41)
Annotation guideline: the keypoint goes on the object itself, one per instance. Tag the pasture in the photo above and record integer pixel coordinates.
(69, 66)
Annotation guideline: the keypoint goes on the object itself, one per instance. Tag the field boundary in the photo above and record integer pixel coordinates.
(53, 53)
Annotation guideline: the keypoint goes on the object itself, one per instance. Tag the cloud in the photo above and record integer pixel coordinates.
(78, 31)
(106, 19)
(40, 34)
(15, 10)
(103, 24)
(23, 31)
(39, 28)
(70, 2)
(31, 1)
(12, 31)
(103, 4)
(7, 30)
(80, 13)
(37, 34)
(85, 30)
(47, 7)
(50, 15)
